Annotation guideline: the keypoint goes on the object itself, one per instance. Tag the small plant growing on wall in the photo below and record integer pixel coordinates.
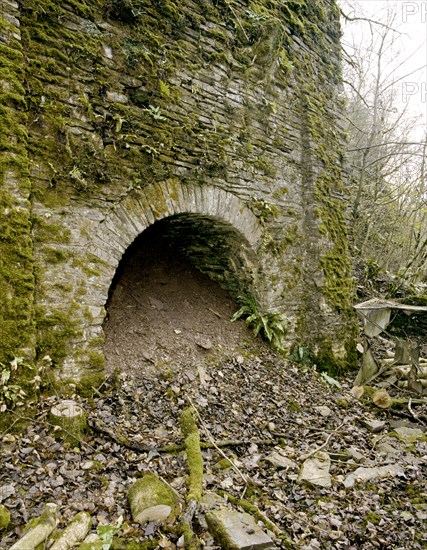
(270, 325)
(11, 393)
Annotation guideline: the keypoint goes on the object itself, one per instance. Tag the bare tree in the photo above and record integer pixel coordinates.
(386, 165)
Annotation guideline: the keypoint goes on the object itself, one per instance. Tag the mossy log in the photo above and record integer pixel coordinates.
(194, 454)
(70, 417)
(38, 530)
(91, 542)
(4, 517)
(75, 532)
(191, 435)
(152, 499)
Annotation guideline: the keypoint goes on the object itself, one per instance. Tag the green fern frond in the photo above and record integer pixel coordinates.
(271, 325)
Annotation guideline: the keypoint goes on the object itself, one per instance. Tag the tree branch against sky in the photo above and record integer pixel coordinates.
(384, 51)
(406, 58)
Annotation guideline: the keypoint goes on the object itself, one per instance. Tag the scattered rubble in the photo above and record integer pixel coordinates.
(259, 411)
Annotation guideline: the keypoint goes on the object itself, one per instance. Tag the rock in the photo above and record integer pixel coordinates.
(366, 474)
(6, 491)
(203, 342)
(156, 304)
(315, 470)
(323, 411)
(75, 532)
(356, 455)
(277, 459)
(409, 435)
(151, 499)
(389, 446)
(374, 426)
(237, 531)
(203, 375)
(401, 424)
(115, 97)
(210, 501)
(4, 517)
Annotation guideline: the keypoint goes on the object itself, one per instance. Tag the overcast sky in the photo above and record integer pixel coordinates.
(406, 58)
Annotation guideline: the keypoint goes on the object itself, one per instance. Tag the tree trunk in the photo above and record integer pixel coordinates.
(70, 417)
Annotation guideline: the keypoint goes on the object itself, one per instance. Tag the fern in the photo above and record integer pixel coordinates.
(271, 326)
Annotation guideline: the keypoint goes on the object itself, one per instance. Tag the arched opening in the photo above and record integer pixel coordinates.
(174, 292)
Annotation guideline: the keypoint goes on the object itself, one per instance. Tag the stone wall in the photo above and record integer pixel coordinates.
(219, 118)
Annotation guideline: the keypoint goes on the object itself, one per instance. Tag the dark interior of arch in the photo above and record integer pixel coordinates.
(174, 293)
(213, 247)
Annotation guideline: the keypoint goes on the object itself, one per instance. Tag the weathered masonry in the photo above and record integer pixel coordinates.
(218, 117)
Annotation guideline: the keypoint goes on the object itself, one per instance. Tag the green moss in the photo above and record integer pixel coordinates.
(154, 490)
(54, 255)
(4, 517)
(126, 544)
(373, 518)
(97, 545)
(223, 464)
(293, 405)
(96, 360)
(88, 382)
(55, 331)
(194, 455)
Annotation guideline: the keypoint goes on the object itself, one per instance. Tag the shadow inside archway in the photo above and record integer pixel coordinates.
(163, 312)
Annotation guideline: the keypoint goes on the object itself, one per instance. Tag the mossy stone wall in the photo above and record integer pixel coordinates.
(17, 330)
(219, 118)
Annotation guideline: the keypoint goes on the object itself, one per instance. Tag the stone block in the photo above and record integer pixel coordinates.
(237, 531)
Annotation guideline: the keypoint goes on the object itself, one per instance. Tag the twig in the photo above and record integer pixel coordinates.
(314, 451)
(417, 418)
(214, 312)
(211, 439)
(50, 425)
(237, 19)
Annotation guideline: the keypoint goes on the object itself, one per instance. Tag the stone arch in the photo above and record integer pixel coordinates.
(189, 209)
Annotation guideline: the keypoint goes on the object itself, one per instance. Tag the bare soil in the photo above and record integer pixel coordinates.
(164, 313)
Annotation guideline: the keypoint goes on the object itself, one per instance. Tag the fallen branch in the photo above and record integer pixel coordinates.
(417, 418)
(402, 402)
(46, 423)
(118, 437)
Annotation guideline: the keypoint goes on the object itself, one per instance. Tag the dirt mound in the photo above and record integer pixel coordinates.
(164, 313)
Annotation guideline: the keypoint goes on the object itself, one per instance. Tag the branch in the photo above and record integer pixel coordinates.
(386, 143)
(367, 20)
